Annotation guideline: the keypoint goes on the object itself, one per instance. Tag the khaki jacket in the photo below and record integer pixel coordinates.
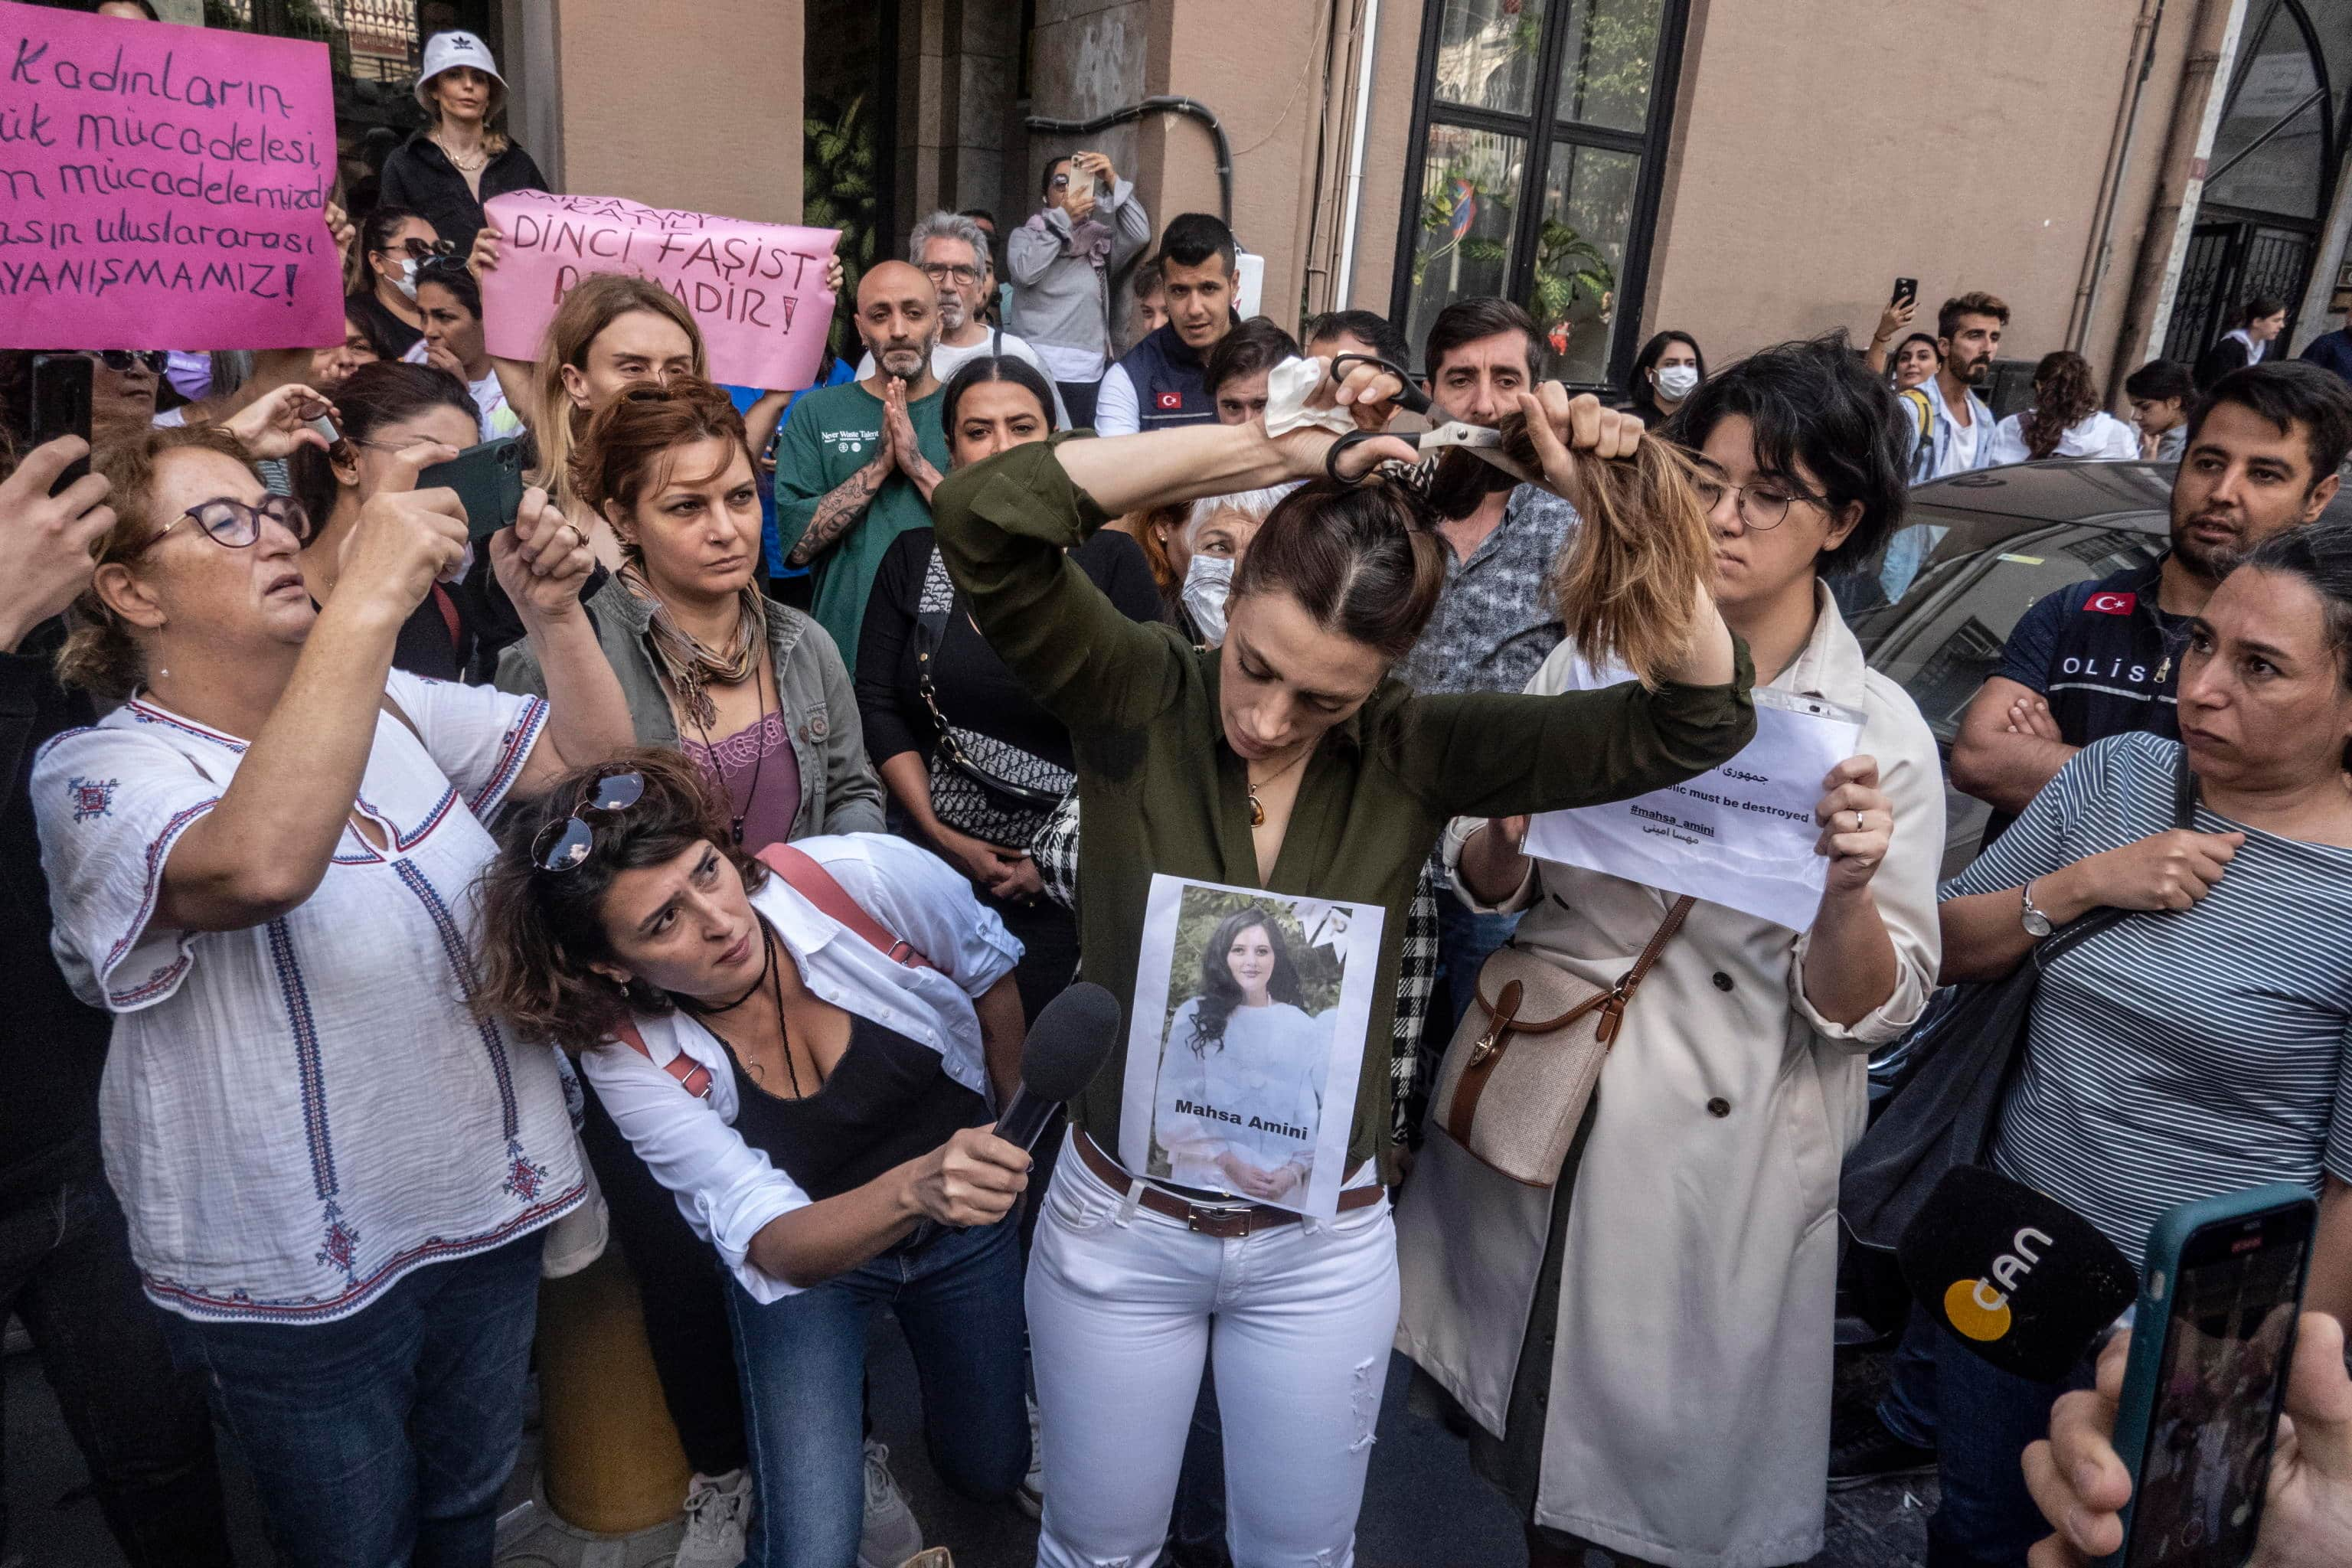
(1689, 1401)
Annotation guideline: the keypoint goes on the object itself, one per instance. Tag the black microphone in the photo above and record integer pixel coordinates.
(1066, 1047)
(2023, 1280)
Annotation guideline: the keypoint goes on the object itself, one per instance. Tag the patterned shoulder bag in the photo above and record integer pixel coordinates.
(989, 788)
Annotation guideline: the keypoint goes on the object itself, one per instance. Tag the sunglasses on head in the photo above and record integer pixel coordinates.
(575, 835)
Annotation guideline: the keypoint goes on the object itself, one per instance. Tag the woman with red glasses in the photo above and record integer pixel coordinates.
(336, 1178)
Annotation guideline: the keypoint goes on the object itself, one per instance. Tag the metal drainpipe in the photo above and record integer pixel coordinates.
(1357, 137)
(2118, 168)
(2188, 140)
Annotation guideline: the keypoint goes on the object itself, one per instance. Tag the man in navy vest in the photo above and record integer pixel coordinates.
(1158, 384)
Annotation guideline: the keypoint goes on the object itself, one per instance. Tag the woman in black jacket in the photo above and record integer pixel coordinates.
(1000, 730)
(447, 170)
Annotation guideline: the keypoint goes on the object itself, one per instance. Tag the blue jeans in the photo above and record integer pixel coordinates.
(383, 1439)
(803, 1364)
(1986, 1419)
(1909, 1408)
(1464, 940)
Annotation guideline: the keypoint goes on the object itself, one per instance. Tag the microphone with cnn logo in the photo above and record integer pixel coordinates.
(2023, 1280)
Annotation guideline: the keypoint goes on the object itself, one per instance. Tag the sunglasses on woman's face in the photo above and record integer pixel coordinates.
(575, 835)
(417, 250)
(234, 525)
(121, 360)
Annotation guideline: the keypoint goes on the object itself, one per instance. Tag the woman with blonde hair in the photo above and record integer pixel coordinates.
(461, 158)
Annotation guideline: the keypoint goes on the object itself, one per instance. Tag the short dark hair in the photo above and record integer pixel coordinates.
(1190, 239)
(1467, 320)
(451, 272)
(1978, 303)
(2159, 379)
(1257, 346)
(1366, 326)
(1814, 401)
(979, 215)
(2258, 307)
(2287, 393)
(993, 367)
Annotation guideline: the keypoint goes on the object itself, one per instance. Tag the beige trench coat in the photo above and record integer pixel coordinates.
(1689, 1401)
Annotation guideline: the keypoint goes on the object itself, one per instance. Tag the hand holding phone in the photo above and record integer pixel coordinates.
(48, 529)
(61, 400)
(487, 479)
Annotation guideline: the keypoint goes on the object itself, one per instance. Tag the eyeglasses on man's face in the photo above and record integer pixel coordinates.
(948, 271)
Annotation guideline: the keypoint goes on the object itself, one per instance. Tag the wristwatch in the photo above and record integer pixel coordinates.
(2036, 923)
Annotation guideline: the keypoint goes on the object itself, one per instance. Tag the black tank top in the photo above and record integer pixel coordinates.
(889, 1101)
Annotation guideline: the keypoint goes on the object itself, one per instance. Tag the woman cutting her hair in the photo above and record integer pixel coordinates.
(1286, 758)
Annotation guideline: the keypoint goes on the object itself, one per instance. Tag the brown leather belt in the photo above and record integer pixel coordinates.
(1224, 1221)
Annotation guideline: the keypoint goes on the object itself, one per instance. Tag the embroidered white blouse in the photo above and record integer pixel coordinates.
(297, 1114)
(729, 1190)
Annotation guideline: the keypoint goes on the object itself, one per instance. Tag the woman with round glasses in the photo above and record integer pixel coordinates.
(1740, 1069)
(817, 1107)
(394, 243)
(335, 1176)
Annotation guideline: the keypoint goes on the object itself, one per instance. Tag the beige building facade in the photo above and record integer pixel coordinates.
(2124, 173)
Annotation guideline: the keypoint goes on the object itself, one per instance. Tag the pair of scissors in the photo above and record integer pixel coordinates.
(1431, 444)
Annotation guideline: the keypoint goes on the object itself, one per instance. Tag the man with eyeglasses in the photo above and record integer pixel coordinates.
(952, 250)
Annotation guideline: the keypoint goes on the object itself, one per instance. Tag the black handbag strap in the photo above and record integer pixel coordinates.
(2085, 926)
(933, 607)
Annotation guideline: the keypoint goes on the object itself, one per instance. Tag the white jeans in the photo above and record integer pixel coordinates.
(1121, 1312)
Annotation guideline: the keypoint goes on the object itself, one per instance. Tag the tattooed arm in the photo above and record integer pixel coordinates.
(820, 518)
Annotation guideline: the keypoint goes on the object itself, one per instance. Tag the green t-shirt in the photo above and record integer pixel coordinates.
(831, 434)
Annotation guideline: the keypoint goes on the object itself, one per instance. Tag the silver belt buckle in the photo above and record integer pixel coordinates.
(1194, 1213)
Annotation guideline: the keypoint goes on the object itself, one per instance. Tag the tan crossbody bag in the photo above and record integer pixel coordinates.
(1521, 1067)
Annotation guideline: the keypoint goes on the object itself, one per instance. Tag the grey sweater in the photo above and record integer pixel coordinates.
(1061, 301)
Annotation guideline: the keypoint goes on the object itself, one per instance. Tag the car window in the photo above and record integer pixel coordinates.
(1972, 578)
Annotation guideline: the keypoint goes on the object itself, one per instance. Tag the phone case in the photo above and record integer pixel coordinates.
(2158, 1276)
(487, 479)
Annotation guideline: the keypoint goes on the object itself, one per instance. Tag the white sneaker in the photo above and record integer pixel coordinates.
(1031, 1498)
(891, 1533)
(718, 1512)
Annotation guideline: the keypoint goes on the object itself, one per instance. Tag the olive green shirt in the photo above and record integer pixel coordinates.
(1162, 790)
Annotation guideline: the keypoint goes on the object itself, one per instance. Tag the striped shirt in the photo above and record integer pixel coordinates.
(2178, 1056)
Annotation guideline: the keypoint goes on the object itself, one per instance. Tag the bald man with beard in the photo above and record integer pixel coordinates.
(856, 463)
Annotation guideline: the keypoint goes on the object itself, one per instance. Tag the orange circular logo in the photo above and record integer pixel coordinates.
(1965, 1309)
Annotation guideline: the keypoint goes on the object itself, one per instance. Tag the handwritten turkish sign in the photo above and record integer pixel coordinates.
(1740, 835)
(163, 187)
(757, 290)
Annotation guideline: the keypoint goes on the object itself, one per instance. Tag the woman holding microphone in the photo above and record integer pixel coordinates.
(1287, 758)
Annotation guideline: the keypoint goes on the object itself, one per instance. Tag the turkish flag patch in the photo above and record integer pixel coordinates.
(1171, 401)
(2111, 603)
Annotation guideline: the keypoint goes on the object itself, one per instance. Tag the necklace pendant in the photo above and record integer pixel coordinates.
(1257, 811)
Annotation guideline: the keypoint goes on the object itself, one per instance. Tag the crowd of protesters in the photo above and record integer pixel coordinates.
(400, 916)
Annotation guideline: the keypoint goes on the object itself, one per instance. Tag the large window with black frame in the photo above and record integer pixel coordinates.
(1540, 130)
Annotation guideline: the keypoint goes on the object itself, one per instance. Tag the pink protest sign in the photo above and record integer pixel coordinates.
(163, 187)
(757, 290)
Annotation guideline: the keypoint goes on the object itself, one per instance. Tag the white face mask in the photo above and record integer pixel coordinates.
(406, 281)
(1678, 380)
(1207, 581)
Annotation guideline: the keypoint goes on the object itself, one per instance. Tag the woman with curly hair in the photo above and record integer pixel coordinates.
(1243, 1039)
(2066, 420)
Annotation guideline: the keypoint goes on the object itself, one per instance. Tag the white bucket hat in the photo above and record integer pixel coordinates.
(446, 51)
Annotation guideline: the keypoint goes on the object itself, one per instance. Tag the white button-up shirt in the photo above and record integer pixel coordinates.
(729, 1190)
(297, 1114)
